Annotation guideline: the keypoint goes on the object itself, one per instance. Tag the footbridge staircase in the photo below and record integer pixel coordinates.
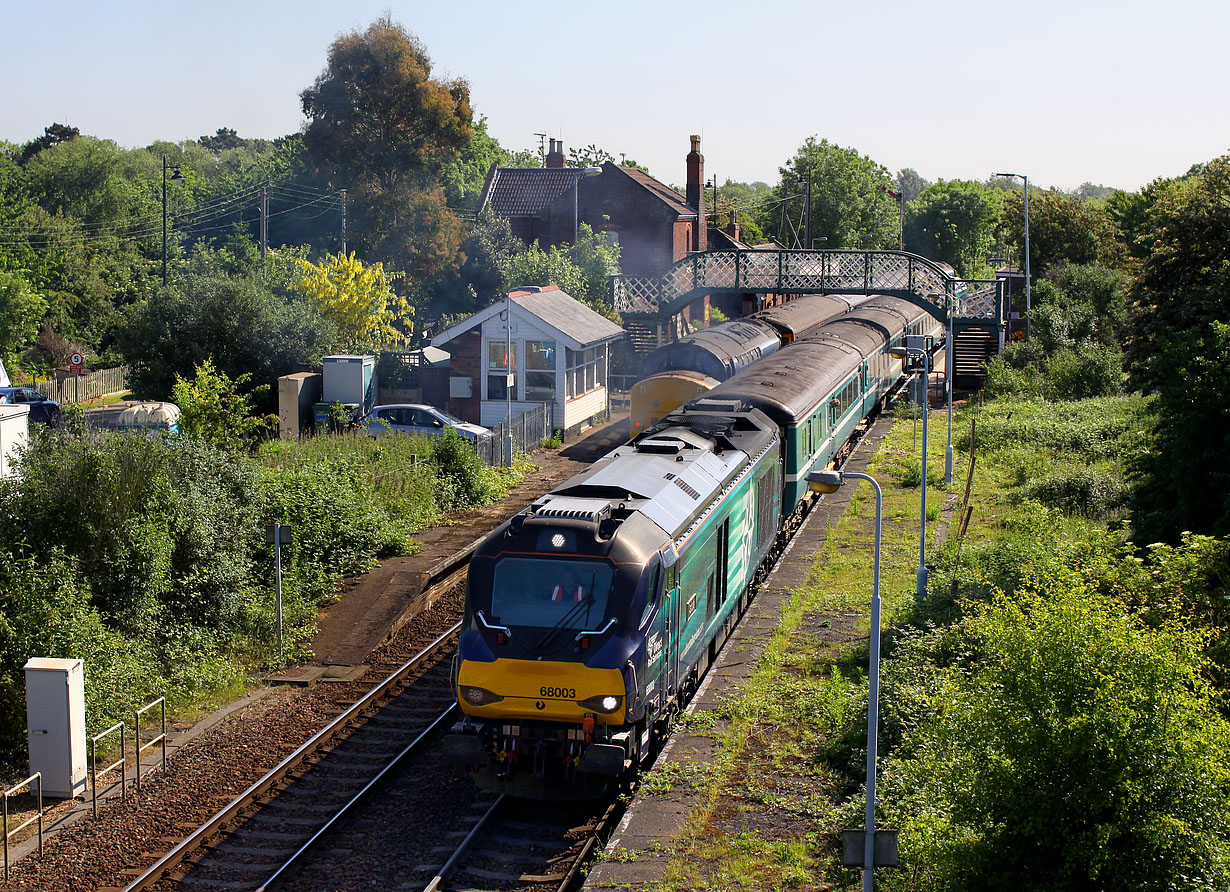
(651, 305)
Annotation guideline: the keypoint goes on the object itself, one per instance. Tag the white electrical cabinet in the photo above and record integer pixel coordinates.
(55, 719)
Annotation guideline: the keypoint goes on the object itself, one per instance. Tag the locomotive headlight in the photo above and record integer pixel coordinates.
(604, 703)
(478, 696)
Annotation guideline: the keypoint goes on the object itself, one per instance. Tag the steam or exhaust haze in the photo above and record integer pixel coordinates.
(1067, 92)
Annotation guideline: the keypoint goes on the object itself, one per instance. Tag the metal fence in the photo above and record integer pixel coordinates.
(83, 388)
(529, 429)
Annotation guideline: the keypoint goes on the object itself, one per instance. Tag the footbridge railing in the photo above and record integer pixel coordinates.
(898, 273)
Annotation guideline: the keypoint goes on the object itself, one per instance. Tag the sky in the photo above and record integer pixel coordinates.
(1065, 91)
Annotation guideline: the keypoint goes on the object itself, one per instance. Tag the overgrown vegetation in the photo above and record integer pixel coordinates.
(1052, 717)
(147, 558)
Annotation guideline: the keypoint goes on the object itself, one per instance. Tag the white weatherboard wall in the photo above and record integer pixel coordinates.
(14, 433)
(565, 412)
(55, 721)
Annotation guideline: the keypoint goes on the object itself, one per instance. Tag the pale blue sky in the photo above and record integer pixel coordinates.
(1063, 90)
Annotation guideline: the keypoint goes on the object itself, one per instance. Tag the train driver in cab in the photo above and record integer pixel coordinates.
(569, 588)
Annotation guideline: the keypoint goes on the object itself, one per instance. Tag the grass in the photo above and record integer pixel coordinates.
(789, 770)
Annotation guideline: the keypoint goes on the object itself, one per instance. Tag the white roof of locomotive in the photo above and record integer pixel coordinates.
(667, 487)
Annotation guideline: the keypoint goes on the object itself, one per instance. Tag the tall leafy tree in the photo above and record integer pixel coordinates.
(954, 221)
(847, 207)
(386, 129)
(1179, 347)
(1063, 228)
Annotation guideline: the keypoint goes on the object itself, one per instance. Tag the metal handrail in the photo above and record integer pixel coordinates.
(161, 738)
(8, 834)
(119, 763)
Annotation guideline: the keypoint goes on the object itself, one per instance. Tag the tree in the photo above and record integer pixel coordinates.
(581, 270)
(247, 321)
(384, 128)
(20, 311)
(954, 222)
(847, 207)
(358, 299)
(213, 410)
(1062, 228)
(377, 114)
(53, 135)
(911, 184)
(464, 178)
(1053, 742)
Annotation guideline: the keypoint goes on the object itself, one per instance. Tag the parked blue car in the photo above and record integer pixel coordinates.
(41, 409)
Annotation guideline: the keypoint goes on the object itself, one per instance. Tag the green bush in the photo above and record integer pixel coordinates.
(464, 481)
(1094, 492)
(1052, 741)
(1083, 373)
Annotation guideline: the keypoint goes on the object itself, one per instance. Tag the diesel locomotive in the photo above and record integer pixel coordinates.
(684, 370)
(592, 615)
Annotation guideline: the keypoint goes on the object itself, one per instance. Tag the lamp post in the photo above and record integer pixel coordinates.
(921, 575)
(576, 187)
(949, 362)
(1028, 305)
(828, 482)
(176, 177)
(508, 379)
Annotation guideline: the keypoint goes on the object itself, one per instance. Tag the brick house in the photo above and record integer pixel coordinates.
(560, 355)
(653, 224)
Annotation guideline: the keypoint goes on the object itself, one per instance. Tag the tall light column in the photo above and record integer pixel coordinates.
(828, 482)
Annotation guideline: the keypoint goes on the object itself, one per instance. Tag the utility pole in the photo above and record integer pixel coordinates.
(265, 220)
(164, 221)
(343, 222)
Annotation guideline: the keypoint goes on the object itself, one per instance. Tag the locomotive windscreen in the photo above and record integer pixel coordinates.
(546, 592)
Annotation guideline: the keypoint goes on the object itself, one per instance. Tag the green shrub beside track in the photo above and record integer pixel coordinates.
(147, 557)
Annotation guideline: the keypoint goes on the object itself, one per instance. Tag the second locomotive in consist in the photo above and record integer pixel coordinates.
(591, 616)
(684, 370)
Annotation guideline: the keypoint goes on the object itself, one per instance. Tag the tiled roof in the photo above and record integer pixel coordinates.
(516, 192)
(568, 316)
(658, 188)
(578, 325)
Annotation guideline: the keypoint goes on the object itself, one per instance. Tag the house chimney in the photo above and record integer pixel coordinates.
(555, 157)
(695, 194)
(732, 228)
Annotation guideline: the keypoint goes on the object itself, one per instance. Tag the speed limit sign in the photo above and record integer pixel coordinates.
(75, 362)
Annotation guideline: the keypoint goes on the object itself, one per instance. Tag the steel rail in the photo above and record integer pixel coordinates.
(291, 862)
(324, 735)
(434, 885)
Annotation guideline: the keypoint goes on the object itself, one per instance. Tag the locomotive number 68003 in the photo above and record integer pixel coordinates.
(562, 693)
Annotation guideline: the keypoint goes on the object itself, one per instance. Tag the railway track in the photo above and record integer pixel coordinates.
(268, 837)
(255, 836)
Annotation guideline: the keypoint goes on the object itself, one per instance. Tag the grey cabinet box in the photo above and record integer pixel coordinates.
(55, 721)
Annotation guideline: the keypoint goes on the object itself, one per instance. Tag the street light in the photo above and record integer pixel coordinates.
(902, 352)
(828, 481)
(176, 177)
(818, 239)
(1028, 306)
(576, 187)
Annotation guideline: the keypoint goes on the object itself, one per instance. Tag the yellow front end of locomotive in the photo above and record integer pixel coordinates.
(657, 396)
(540, 690)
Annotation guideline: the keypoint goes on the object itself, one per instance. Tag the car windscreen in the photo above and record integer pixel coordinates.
(451, 419)
(546, 592)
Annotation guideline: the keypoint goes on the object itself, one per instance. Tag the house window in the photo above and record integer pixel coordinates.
(586, 370)
(497, 370)
(540, 371)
